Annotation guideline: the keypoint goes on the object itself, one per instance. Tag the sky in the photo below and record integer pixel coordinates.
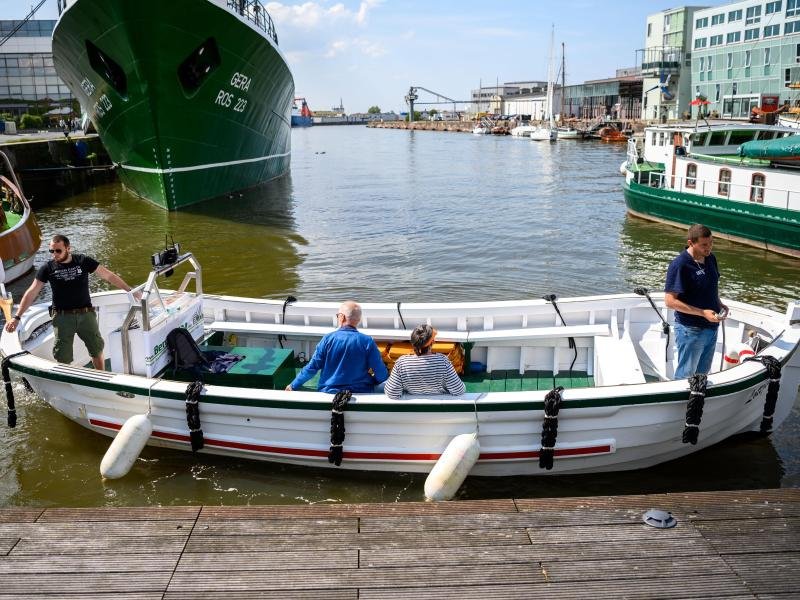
(369, 52)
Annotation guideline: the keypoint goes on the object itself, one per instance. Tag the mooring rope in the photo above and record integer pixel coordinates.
(552, 404)
(336, 451)
(694, 408)
(12, 408)
(193, 391)
(551, 298)
(665, 328)
(773, 366)
(289, 300)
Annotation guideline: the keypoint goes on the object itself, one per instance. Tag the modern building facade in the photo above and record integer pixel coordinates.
(618, 97)
(666, 64)
(746, 55)
(28, 80)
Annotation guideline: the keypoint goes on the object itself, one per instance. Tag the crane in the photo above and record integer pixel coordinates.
(412, 96)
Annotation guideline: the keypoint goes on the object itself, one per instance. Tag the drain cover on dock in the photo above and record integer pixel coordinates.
(660, 519)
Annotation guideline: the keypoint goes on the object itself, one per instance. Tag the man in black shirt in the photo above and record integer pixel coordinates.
(68, 275)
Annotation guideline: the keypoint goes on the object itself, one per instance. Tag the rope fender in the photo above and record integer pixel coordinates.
(12, 408)
(552, 404)
(773, 367)
(193, 391)
(336, 451)
(694, 408)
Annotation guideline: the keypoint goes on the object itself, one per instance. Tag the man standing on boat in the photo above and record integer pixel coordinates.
(692, 291)
(346, 358)
(72, 308)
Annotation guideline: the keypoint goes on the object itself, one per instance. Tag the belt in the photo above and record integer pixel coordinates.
(73, 311)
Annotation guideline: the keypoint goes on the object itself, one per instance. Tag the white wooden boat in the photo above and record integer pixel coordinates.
(522, 130)
(568, 133)
(620, 408)
(20, 235)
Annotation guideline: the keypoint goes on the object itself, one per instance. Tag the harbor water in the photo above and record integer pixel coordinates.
(390, 215)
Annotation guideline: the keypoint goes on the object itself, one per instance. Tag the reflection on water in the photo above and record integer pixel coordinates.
(390, 215)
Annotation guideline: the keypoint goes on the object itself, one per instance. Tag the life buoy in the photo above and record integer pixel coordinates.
(736, 354)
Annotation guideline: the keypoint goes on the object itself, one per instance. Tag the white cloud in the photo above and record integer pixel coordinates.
(360, 45)
(316, 15)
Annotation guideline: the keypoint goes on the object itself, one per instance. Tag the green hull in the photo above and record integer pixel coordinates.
(191, 101)
(748, 222)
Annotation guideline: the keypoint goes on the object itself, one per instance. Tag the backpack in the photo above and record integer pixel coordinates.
(186, 354)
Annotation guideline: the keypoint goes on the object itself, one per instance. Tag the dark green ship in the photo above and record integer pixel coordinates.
(191, 98)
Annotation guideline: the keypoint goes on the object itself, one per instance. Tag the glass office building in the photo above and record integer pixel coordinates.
(28, 80)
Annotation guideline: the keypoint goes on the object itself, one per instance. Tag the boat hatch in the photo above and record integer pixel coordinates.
(108, 69)
(193, 71)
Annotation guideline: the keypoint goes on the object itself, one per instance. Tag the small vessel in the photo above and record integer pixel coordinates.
(602, 366)
(481, 129)
(191, 99)
(20, 236)
(522, 130)
(610, 133)
(301, 114)
(568, 133)
(547, 133)
(739, 179)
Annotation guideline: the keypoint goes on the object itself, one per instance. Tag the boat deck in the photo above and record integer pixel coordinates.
(734, 544)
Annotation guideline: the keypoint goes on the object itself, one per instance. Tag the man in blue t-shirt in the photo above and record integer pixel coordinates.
(347, 359)
(72, 310)
(692, 291)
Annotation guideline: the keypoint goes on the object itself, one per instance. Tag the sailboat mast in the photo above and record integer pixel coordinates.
(550, 77)
(563, 80)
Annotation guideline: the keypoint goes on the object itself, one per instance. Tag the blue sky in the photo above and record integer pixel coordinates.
(369, 52)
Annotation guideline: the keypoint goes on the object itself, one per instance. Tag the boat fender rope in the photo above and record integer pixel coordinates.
(336, 451)
(289, 300)
(773, 366)
(552, 404)
(12, 408)
(399, 314)
(665, 328)
(694, 408)
(193, 391)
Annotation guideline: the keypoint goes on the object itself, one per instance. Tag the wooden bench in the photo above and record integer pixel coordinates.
(615, 362)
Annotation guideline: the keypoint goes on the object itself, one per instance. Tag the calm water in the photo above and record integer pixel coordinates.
(391, 216)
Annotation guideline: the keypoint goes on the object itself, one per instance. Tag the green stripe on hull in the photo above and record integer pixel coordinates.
(230, 133)
(763, 226)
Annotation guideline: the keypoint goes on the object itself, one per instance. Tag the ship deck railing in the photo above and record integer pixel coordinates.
(785, 199)
(254, 11)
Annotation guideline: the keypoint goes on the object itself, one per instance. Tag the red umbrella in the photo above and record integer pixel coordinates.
(700, 100)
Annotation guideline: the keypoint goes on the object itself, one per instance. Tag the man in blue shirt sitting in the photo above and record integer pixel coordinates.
(691, 290)
(347, 359)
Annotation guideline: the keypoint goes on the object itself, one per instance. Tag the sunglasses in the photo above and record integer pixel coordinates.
(55, 251)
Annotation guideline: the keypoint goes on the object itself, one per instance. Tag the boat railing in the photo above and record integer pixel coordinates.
(254, 11)
(633, 151)
(151, 302)
(758, 194)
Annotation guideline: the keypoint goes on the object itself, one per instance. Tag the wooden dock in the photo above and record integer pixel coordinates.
(735, 545)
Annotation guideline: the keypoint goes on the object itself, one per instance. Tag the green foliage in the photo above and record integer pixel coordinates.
(28, 121)
(417, 116)
(374, 110)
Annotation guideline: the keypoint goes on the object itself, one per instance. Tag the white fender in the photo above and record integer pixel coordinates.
(623, 168)
(126, 447)
(736, 354)
(453, 466)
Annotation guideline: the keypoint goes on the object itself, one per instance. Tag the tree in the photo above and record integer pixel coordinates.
(374, 110)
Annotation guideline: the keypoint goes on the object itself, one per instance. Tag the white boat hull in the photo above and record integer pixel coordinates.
(621, 423)
(543, 135)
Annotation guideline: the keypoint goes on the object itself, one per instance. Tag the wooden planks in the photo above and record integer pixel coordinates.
(733, 545)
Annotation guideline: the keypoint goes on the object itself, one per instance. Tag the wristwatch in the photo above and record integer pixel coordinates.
(17, 317)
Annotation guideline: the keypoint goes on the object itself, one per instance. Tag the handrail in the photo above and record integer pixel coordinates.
(149, 287)
(254, 11)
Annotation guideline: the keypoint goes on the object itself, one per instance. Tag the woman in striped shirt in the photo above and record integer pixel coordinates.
(423, 372)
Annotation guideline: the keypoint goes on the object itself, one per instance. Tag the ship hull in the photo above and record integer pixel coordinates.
(192, 105)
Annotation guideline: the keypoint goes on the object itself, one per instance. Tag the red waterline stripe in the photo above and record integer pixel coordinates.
(604, 449)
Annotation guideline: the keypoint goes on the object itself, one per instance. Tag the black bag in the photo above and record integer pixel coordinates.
(186, 354)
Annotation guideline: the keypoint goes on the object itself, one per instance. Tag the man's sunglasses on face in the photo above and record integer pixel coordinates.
(55, 251)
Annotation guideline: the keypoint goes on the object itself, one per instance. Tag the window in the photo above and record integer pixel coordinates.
(753, 15)
(724, 187)
(751, 34)
(716, 40)
(767, 55)
(702, 64)
(734, 87)
(771, 30)
(792, 8)
(772, 7)
(701, 43)
(791, 27)
(716, 93)
(736, 15)
(700, 23)
(708, 63)
(649, 29)
(697, 88)
(748, 56)
(691, 175)
(729, 60)
(733, 37)
(718, 19)
(757, 188)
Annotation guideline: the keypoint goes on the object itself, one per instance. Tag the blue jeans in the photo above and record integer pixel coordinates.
(695, 349)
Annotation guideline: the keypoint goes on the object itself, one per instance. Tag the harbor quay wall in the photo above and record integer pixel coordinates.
(55, 167)
(467, 126)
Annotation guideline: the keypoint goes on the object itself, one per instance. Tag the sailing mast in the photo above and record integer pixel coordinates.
(563, 81)
(550, 77)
